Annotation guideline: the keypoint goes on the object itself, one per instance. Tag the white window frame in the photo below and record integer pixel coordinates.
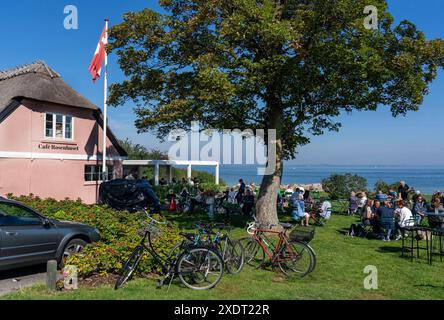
(54, 124)
(110, 170)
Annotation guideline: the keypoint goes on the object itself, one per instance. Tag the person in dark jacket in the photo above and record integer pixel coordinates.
(248, 203)
(403, 191)
(241, 192)
(386, 220)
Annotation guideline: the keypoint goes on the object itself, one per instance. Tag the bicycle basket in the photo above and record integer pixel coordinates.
(154, 231)
(304, 234)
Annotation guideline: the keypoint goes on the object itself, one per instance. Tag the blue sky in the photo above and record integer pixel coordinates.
(34, 30)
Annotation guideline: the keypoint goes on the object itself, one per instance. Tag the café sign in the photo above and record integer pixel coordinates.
(55, 147)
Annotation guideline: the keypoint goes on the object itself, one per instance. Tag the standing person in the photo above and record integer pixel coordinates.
(403, 191)
(241, 192)
(386, 219)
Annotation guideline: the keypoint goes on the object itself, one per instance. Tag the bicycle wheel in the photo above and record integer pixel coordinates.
(234, 257)
(200, 268)
(297, 259)
(254, 254)
(313, 254)
(129, 267)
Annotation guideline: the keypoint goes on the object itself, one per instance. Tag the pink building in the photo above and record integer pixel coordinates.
(51, 137)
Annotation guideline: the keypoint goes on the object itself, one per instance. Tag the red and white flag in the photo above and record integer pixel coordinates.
(96, 64)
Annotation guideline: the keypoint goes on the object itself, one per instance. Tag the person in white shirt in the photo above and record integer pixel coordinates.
(405, 217)
(326, 208)
(362, 200)
(232, 196)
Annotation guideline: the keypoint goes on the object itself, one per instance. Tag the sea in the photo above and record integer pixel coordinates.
(426, 179)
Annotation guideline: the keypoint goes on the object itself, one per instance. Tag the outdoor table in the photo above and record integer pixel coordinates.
(434, 214)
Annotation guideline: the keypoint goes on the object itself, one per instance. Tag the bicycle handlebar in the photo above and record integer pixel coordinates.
(154, 220)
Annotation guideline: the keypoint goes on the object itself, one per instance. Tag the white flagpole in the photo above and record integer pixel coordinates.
(105, 109)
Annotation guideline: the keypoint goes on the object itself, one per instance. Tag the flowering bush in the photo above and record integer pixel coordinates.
(119, 232)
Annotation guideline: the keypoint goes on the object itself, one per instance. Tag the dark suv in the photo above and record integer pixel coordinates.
(28, 238)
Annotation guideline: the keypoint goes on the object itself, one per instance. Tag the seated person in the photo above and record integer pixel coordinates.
(298, 204)
(404, 218)
(232, 196)
(381, 196)
(326, 208)
(386, 220)
(150, 195)
(352, 204)
(248, 203)
(438, 201)
(170, 196)
(419, 209)
(368, 213)
(362, 200)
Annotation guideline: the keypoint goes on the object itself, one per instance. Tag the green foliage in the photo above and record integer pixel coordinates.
(138, 152)
(203, 176)
(383, 186)
(293, 65)
(340, 186)
(118, 230)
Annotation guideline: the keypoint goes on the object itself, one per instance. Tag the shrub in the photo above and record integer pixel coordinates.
(383, 186)
(340, 186)
(119, 235)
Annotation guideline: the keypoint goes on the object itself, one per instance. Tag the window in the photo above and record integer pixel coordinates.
(94, 173)
(14, 215)
(58, 126)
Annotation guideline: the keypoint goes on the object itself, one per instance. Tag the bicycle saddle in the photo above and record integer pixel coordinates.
(188, 236)
(286, 225)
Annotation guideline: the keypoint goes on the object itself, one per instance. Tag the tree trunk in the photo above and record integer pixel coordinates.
(267, 203)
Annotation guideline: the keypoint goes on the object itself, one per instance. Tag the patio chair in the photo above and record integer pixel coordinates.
(436, 234)
(412, 233)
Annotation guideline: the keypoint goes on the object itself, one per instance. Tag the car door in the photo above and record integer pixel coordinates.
(25, 239)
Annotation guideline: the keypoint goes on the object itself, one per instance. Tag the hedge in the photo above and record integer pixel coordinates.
(119, 235)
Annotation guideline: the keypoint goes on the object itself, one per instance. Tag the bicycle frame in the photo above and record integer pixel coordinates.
(283, 240)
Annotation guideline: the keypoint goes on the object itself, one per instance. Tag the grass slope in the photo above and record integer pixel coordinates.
(339, 275)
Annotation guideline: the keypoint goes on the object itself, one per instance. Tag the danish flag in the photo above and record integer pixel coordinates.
(96, 64)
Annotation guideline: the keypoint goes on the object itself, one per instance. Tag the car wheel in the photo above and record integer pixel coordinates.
(73, 247)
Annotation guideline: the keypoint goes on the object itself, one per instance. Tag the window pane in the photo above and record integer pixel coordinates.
(13, 215)
(110, 173)
(59, 126)
(49, 133)
(68, 128)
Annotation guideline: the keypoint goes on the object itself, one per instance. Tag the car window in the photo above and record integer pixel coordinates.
(14, 215)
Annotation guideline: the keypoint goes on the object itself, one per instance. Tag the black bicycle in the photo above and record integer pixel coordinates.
(197, 267)
(231, 251)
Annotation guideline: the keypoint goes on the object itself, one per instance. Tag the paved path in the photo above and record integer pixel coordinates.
(21, 278)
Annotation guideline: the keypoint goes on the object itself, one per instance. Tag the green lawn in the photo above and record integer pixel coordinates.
(339, 275)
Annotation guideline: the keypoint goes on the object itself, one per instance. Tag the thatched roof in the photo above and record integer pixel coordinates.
(37, 81)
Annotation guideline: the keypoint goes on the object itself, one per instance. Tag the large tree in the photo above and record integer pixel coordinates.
(289, 65)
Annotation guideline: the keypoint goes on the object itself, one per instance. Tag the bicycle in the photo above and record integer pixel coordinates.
(231, 251)
(197, 267)
(293, 256)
